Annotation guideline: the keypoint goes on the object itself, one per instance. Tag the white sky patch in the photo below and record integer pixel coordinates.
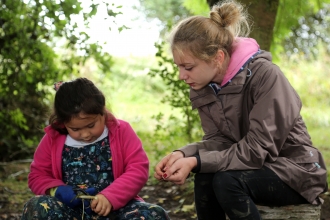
(137, 41)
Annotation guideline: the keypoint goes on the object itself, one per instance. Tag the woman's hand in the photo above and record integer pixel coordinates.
(179, 170)
(165, 163)
(101, 205)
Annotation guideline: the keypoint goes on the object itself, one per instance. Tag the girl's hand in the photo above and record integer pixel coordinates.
(101, 205)
(165, 163)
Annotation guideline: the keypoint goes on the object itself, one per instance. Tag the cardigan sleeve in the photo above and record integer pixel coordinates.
(41, 175)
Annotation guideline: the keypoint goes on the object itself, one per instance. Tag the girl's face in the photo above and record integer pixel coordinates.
(86, 128)
(195, 72)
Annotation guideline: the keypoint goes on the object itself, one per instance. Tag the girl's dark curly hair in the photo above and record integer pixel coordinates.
(74, 97)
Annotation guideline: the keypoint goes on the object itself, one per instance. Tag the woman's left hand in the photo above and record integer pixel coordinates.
(179, 170)
(165, 163)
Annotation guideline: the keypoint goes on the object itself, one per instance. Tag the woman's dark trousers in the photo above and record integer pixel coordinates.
(235, 193)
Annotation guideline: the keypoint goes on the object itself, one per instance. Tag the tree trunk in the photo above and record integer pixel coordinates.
(263, 15)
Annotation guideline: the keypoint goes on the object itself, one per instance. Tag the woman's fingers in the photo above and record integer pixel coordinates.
(174, 172)
(158, 176)
(160, 167)
(173, 157)
(180, 170)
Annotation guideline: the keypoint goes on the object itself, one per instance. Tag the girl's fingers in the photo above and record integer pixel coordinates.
(93, 203)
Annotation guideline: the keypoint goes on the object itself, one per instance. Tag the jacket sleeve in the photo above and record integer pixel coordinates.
(212, 140)
(132, 168)
(41, 175)
(275, 111)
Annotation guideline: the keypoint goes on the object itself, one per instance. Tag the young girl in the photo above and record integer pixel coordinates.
(87, 151)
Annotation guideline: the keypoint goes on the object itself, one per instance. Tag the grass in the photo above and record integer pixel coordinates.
(13, 187)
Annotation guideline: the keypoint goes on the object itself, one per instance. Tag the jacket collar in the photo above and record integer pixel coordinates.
(243, 50)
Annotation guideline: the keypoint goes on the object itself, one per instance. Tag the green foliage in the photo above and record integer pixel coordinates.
(24, 61)
(289, 33)
(167, 12)
(130, 93)
(169, 135)
(310, 79)
(289, 15)
(31, 34)
(311, 30)
(199, 7)
(178, 96)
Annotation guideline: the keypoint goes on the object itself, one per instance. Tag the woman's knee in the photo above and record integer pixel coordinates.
(223, 180)
(203, 179)
(225, 185)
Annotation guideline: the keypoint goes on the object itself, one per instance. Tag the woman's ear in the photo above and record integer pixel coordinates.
(219, 57)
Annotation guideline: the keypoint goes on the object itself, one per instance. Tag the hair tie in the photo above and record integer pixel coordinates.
(57, 85)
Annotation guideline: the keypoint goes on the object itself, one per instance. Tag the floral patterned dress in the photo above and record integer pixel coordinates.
(86, 167)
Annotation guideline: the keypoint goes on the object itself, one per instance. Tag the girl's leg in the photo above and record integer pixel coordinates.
(207, 206)
(48, 207)
(137, 210)
(238, 191)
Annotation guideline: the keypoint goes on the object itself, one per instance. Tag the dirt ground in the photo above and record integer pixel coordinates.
(179, 204)
(178, 201)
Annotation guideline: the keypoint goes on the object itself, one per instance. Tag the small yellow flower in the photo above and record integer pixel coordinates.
(45, 205)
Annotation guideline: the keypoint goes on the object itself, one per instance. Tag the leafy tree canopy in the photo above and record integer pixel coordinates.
(290, 16)
(168, 12)
(31, 33)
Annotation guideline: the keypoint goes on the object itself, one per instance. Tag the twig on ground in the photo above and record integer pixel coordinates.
(16, 161)
(13, 175)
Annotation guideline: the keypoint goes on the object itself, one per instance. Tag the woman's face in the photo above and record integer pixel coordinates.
(86, 128)
(196, 72)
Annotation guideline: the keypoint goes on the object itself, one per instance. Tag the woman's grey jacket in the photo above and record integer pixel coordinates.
(255, 121)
